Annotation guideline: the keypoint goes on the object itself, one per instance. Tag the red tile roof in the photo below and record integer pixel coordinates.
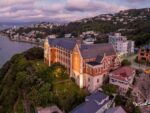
(123, 73)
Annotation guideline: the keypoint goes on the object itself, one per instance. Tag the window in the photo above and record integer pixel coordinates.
(96, 71)
(97, 80)
(113, 80)
(89, 79)
(99, 69)
(90, 71)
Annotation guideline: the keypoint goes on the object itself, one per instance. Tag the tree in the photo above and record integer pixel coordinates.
(34, 53)
(41, 97)
(120, 100)
(26, 78)
(109, 89)
(125, 62)
(21, 79)
(136, 110)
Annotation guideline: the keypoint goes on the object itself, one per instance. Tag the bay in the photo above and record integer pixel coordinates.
(9, 48)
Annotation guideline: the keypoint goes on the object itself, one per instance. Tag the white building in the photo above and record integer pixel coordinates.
(52, 36)
(68, 35)
(123, 78)
(89, 40)
(130, 46)
(121, 44)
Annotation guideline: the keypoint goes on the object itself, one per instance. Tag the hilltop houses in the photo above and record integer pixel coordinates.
(89, 65)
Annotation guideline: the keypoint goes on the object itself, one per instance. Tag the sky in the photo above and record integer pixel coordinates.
(62, 10)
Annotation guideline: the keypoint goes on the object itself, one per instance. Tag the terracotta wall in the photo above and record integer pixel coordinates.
(53, 55)
(76, 61)
(107, 61)
(46, 61)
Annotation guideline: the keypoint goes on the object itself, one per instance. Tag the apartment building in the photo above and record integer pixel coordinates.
(87, 64)
(121, 44)
(123, 78)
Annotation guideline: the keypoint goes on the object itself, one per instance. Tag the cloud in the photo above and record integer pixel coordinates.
(137, 1)
(92, 5)
(61, 10)
(4, 3)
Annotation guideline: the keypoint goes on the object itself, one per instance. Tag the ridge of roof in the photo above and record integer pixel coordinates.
(87, 51)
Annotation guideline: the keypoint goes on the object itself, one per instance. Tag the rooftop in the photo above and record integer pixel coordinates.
(92, 103)
(94, 50)
(65, 43)
(51, 109)
(93, 63)
(87, 51)
(147, 47)
(123, 73)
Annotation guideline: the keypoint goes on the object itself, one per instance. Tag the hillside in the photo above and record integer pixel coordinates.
(26, 83)
(133, 23)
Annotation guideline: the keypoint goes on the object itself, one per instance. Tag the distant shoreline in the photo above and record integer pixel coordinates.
(29, 42)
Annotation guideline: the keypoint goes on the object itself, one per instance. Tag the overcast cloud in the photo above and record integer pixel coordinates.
(62, 10)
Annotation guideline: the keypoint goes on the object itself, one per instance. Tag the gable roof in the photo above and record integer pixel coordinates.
(123, 73)
(65, 43)
(94, 50)
(93, 103)
(99, 58)
(118, 109)
(147, 47)
(87, 51)
(93, 63)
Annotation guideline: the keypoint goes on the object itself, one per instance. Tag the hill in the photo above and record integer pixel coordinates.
(133, 23)
(27, 83)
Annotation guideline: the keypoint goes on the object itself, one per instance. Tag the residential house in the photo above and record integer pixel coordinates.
(68, 35)
(97, 102)
(89, 40)
(123, 78)
(87, 64)
(144, 54)
(51, 109)
(52, 36)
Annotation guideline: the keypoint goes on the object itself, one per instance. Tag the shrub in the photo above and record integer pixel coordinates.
(125, 62)
(34, 53)
(109, 89)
